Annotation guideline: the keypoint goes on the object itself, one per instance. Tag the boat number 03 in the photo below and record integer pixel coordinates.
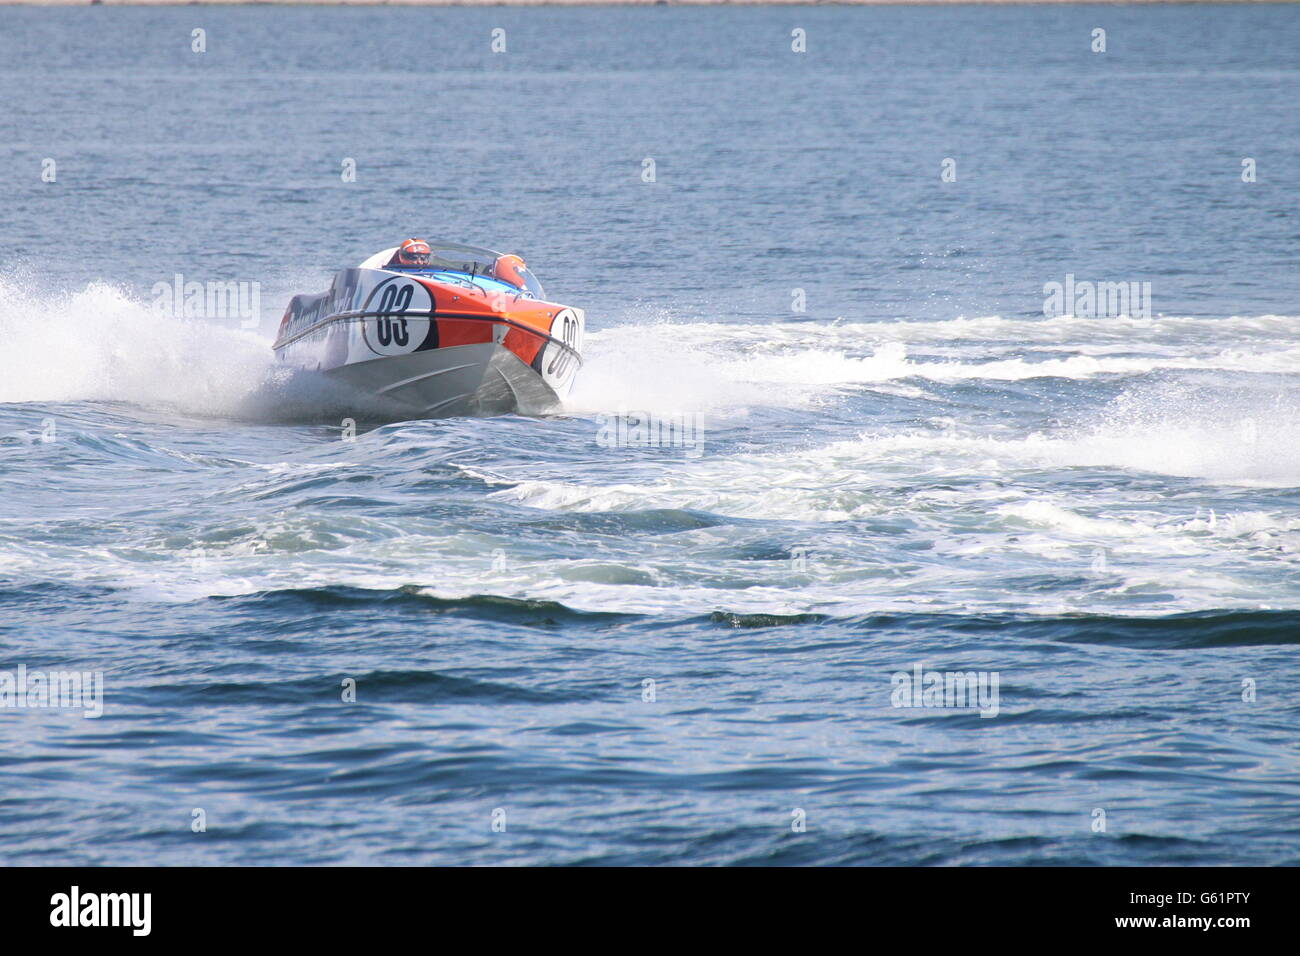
(392, 330)
(388, 332)
(559, 363)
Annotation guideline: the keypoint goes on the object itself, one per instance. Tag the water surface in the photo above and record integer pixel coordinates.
(918, 468)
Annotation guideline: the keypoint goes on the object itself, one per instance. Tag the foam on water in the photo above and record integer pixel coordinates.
(655, 368)
(102, 344)
(670, 368)
(1004, 493)
(1188, 330)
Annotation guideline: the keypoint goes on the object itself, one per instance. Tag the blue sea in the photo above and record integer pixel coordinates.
(831, 242)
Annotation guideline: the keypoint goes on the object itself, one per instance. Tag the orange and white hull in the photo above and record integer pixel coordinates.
(436, 345)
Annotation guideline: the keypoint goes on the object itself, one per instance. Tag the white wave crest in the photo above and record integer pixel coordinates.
(100, 344)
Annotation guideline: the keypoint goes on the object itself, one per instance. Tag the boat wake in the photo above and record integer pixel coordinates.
(711, 367)
(102, 344)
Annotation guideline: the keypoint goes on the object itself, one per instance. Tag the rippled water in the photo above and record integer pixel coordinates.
(659, 655)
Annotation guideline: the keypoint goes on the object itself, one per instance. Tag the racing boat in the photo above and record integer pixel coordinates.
(466, 331)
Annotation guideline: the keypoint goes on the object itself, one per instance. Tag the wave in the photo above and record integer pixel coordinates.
(994, 329)
(489, 607)
(890, 362)
(671, 368)
(1209, 628)
(1234, 438)
(101, 343)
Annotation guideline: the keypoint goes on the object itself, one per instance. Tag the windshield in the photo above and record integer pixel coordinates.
(476, 262)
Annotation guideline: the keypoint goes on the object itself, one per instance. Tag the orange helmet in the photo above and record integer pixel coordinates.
(510, 269)
(414, 252)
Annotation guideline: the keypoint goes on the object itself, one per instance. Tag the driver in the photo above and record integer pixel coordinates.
(413, 252)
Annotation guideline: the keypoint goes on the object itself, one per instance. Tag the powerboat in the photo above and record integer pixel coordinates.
(467, 332)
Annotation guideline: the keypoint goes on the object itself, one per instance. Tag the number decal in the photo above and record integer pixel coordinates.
(394, 301)
(558, 362)
(388, 330)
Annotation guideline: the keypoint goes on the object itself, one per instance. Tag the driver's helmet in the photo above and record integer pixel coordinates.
(511, 269)
(413, 252)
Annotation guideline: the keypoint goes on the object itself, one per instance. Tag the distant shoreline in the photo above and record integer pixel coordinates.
(616, 3)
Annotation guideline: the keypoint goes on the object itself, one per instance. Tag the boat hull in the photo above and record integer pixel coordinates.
(417, 347)
(483, 379)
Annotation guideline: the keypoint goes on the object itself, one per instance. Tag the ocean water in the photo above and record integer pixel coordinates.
(567, 652)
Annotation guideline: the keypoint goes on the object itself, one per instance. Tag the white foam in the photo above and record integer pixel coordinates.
(703, 367)
(997, 329)
(100, 344)
(653, 368)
